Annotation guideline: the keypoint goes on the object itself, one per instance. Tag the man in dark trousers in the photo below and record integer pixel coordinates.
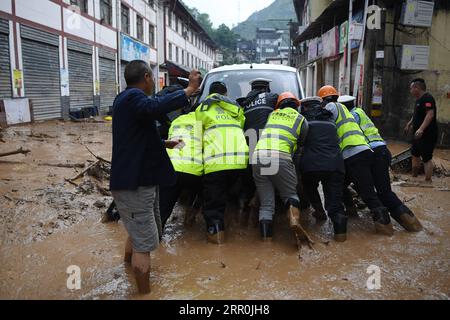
(225, 155)
(140, 163)
(322, 161)
(380, 168)
(424, 125)
(258, 105)
(358, 158)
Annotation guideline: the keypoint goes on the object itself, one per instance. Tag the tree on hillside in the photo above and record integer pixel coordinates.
(223, 36)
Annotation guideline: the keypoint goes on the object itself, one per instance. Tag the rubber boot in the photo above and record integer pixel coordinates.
(351, 211)
(382, 221)
(244, 213)
(216, 234)
(340, 230)
(189, 216)
(320, 215)
(266, 230)
(404, 216)
(294, 224)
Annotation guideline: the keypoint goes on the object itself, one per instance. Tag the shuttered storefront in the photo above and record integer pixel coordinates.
(5, 68)
(80, 75)
(41, 72)
(108, 86)
(336, 73)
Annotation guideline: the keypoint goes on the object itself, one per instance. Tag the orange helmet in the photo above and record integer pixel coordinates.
(327, 91)
(285, 96)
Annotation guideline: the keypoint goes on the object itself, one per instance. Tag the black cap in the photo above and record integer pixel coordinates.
(218, 87)
(260, 83)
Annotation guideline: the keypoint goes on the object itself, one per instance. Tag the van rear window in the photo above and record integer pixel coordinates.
(238, 82)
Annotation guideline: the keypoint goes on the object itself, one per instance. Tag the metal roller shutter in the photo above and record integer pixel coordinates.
(108, 86)
(41, 72)
(336, 74)
(5, 68)
(80, 75)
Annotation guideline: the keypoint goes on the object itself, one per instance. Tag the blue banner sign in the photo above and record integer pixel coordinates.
(134, 50)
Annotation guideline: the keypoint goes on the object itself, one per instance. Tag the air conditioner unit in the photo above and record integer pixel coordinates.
(415, 57)
(417, 13)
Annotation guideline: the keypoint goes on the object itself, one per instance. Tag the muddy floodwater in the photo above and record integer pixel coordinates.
(48, 224)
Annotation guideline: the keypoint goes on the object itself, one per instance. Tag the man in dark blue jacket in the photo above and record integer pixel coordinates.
(140, 163)
(322, 162)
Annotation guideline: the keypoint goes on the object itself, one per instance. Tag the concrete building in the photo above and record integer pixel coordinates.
(65, 57)
(246, 51)
(272, 44)
(396, 50)
(185, 43)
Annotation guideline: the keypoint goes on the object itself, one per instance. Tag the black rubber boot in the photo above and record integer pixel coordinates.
(320, 215)
(340, 228)
(404, 216)
(266, 230)
(351, 211)
(216, 233)
(382, 221)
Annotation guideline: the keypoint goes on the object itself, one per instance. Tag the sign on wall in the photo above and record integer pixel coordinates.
(330, 43)
(64, 74)
(415, 57)
(134, 50)
(17, 111)
(312, 49)
(343, 35)
(18, 79)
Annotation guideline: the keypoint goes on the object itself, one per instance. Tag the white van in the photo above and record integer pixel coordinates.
(237, 77)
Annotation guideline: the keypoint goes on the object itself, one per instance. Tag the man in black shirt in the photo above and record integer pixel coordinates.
(424, 125)
(258, 105)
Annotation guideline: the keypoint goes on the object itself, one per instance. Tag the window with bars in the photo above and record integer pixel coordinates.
(151, 35)
(169, 19)
(125, 19)
(106, 11)
(139, 28)
(82, 4)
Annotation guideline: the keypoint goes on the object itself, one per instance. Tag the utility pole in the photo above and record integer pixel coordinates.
(290, 23)
(349, 47)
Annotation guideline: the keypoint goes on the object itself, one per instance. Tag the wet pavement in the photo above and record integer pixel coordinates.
(48, 224)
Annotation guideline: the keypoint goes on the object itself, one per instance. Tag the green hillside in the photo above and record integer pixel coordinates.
(279, 9)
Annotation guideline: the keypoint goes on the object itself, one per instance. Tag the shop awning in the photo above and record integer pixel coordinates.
(335, 14)
(176, 70)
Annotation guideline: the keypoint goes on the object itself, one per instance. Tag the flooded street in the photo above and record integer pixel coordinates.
(48, 224)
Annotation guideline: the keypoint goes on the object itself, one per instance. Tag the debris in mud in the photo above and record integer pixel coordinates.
(63, 165)
(87, 120)
(1, 135)
(86, 187)
(18, 151)
(41, 136)
(415, 185)
(99, 204)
